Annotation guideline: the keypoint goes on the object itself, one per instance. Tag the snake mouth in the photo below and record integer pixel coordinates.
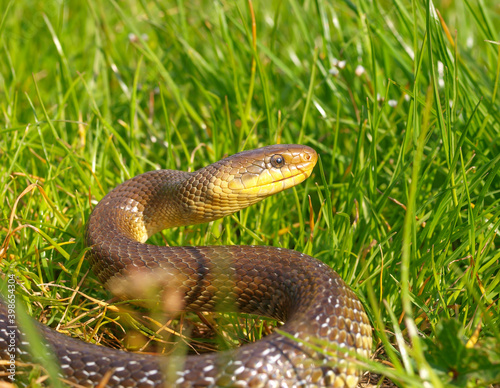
(282, 184)
(268, 182)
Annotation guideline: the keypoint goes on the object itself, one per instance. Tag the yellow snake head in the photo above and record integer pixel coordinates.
(243, 179)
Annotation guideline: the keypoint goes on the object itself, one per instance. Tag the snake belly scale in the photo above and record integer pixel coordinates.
(308, 296)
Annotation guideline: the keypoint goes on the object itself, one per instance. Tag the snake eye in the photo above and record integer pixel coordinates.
(277, 161)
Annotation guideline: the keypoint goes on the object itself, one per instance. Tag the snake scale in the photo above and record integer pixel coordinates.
(308, 296)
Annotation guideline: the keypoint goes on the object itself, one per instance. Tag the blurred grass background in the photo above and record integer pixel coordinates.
(399, 98)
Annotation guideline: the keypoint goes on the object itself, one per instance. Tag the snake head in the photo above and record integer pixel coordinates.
(268, 170)
(245, 178)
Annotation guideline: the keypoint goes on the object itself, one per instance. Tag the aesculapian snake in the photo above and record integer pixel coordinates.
(312, 300)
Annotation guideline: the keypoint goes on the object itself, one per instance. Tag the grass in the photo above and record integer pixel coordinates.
(399, 98)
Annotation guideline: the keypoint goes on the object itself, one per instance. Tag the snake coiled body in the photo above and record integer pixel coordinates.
(307, 295)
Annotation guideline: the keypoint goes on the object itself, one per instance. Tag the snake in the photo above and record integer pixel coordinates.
(324, 326)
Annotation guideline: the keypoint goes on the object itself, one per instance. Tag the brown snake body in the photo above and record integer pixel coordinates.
(307, 295)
